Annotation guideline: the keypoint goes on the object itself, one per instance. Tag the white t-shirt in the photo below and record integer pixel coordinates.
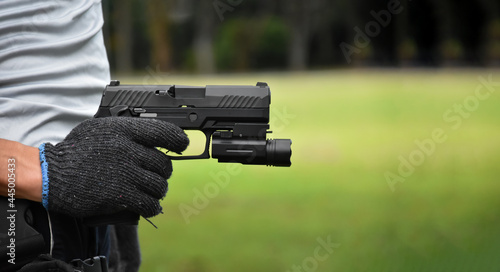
(53, 67)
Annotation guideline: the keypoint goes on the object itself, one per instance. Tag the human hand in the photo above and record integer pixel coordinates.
(107, 165)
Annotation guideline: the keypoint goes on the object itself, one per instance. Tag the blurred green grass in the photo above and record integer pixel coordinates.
(348, 128)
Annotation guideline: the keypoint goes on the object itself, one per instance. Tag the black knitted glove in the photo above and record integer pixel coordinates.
(107, 165)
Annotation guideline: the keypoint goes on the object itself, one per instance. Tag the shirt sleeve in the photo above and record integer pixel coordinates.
(53, 67)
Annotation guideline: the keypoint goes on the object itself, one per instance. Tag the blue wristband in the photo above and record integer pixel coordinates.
(45, 177)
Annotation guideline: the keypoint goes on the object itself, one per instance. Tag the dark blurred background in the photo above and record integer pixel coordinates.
(190, 36)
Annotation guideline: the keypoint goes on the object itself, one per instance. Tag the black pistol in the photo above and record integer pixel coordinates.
(234, 119)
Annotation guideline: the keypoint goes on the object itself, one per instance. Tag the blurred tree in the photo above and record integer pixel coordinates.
(159, 33)
(491, 33)
(299, 18)
(258, 43)
(325, 17)
(492, 44)
(204, 37)
(271, 41)
(449, 46)
(406, 48)
(234, 43)
(309, 20)
(422, 22)
(181, 31)
(122, 21)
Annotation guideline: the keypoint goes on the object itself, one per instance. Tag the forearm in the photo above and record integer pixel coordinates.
(24, 162)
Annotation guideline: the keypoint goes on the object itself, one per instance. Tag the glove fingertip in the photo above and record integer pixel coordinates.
(175, 139)
(151, 210)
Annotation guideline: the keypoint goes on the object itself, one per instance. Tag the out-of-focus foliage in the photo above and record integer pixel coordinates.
(260, 44)
(220, 35)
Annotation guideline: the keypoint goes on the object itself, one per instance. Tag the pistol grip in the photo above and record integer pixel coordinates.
(120, 218)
